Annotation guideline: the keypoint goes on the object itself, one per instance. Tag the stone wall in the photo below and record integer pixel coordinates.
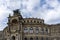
(1, 35)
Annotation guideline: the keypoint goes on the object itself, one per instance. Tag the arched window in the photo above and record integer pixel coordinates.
(13, 37)
(34, 21)
(31, 38)
(46, 30)
(25, 30)
(25, 38)
(14, 21)
(31, 30)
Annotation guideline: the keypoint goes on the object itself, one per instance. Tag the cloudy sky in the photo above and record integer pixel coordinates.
(49, 10)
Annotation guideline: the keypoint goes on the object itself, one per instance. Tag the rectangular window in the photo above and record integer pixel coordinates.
(37, 30)
(31, 30)
(25, 30)
(42, 30)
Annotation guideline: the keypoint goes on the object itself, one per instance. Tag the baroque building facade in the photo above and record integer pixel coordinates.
(20, 28)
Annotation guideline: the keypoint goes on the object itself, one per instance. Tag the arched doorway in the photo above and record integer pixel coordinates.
(31, 38)
(13, 37)
(25, 38)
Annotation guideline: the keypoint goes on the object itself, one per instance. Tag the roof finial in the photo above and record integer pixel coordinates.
(16, 12)
(9, 15)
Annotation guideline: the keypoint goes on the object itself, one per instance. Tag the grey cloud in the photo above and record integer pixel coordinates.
(33, 8)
